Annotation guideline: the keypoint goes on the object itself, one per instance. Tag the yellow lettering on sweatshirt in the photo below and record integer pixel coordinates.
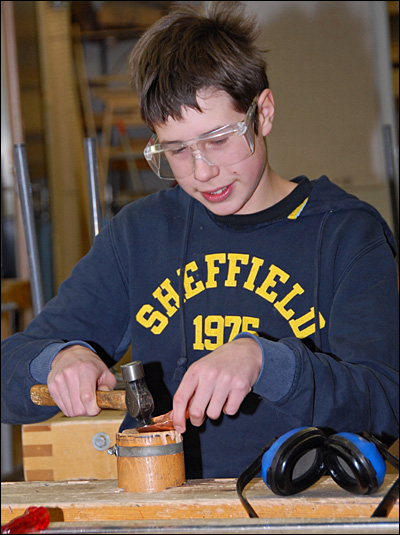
(192, 289)
(233, 268)
(270, 282)
(152, 319)
(212, 269)
(280, 305)
(166, 294)
(295, 324)
(257, 263)
(235, 322)
(248, 322)
(210, 330)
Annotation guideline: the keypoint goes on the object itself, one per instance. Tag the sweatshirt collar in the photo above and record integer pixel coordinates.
(289, 207)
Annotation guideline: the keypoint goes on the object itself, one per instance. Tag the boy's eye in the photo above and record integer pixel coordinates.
(218, 142)
(178, 151)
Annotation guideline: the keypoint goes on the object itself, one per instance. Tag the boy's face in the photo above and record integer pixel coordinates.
(240, 188)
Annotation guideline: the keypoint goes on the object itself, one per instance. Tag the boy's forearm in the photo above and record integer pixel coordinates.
(16, 405)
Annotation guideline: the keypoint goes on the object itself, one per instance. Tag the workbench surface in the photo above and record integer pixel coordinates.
(102, 501)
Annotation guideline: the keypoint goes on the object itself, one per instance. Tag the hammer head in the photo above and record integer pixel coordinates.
(139, 401)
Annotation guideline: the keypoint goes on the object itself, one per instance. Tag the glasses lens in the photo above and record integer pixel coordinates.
(221, 150)
(228, 146)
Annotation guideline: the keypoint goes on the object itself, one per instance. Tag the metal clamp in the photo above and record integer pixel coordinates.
(145, 451)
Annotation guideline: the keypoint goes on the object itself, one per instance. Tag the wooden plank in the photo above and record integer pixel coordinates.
(69, 198)
(94, 500)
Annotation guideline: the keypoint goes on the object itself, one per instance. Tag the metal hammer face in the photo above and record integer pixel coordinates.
(139, 401)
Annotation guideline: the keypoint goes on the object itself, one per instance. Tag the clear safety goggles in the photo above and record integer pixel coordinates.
(227, 145)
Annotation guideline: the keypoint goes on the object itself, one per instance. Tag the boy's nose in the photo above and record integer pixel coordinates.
(203, 169)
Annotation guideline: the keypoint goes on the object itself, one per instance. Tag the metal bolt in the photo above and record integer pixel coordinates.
(101, 441)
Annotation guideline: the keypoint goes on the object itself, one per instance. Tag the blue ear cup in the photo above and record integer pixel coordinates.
(354, 463)
(279, 461)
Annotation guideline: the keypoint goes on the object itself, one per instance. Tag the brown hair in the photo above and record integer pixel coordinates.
(187, 50)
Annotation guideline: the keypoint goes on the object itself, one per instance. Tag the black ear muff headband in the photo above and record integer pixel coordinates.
(355, 463)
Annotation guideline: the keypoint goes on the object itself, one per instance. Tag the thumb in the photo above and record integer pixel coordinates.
(103, 388)
(107, 382)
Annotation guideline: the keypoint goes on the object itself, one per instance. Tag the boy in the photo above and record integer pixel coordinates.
(258, 304)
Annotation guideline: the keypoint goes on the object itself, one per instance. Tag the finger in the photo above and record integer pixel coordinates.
(60, 393)
(218, 399)
(107, 380)
(59, 401)
(234, 400)
(200, 401)
(104, 388)
(181, 401)
(87, 397)
(76, 400)
(79, 394)
(232, 404)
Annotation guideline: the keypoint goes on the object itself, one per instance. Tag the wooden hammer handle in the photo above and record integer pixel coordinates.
(113, 399)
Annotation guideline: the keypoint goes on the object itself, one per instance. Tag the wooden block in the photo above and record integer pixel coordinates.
(62, 448)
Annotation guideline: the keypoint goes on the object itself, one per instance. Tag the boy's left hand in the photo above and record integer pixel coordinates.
(217, 383)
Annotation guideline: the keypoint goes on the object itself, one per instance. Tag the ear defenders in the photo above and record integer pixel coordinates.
(353, 462)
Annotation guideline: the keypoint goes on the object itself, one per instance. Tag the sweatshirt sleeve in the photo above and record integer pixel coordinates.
(354, 387)
(41, 365)
(91, 306)
(272, 384)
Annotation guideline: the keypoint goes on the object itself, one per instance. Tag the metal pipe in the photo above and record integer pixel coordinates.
(390, 169)
(92, 178)
(25, 196)
(230, 525)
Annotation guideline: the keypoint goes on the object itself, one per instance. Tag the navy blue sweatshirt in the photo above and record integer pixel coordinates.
(313, 279)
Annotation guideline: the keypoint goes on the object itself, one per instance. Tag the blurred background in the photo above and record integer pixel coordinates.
(333, 69)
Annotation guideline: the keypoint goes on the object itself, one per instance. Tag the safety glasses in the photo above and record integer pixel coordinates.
(227, 145)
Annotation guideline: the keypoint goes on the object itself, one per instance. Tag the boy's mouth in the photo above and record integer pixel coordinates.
(218, 195)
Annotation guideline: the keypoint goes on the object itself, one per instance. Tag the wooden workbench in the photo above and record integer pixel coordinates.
(101, 502)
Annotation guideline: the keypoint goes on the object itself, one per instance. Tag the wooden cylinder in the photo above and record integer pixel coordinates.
(149, 462)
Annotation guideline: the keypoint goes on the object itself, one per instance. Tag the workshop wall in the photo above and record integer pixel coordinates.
(330, 91)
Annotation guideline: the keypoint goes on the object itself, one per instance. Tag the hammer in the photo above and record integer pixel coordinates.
(136, 399)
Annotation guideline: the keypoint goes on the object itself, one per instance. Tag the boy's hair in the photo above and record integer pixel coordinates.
(187, 50)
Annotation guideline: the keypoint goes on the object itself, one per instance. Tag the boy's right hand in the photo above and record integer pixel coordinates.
(76, 373)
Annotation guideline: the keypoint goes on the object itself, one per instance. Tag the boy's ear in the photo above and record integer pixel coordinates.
(266, 111)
